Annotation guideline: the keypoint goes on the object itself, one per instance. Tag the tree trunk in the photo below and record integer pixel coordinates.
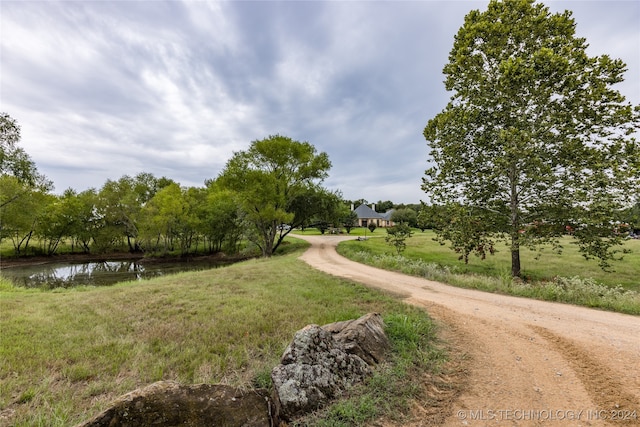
(515, 224)
(515, 262)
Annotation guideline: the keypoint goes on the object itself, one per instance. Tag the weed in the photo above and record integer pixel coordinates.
(262, 379)
(26, 396)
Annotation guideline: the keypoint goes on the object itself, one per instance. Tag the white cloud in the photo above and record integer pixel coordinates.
(103, 89)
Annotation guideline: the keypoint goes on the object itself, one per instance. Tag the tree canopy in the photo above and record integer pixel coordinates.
(535, 138)
(15, 162)
(405, 215)
(276, 182)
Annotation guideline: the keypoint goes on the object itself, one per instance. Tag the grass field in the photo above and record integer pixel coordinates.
(569, 263)
(565, 278)
(66, 354)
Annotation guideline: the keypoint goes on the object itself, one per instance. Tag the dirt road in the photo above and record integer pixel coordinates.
(527, 362)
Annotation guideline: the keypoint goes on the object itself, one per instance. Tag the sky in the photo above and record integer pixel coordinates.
(103, 89)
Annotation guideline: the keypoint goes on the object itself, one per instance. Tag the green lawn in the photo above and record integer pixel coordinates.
(547, 265)
(66, 354)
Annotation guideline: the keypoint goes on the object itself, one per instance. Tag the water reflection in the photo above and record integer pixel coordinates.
(65, 275)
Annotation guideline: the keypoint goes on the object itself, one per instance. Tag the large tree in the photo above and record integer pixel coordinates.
(270, 178)
(535, 138)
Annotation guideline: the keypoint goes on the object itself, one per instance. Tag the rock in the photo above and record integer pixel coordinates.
(364, 337)
(167, 403)
(313, 370)
(323, 362)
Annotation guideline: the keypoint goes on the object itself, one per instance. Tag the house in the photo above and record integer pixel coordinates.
(368, 215)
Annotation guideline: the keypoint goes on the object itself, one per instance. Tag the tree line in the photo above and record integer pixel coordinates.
(259, 197)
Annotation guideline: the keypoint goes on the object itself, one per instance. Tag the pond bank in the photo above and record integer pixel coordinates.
(8, 262)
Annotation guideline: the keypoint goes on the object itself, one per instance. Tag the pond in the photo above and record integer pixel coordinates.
(103, 273)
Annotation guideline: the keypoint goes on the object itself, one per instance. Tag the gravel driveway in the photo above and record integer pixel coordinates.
(526, 362)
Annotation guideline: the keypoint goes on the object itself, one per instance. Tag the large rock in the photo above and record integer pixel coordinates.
(364, 337)
(323, 362)
(167, 403)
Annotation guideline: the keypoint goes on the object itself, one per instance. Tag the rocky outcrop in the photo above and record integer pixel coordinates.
(167, 403)
(321, 363)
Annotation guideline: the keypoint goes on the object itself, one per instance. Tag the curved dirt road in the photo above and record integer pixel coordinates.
(526, 362)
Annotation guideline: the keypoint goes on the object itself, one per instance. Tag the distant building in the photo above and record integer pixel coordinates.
(368, 215)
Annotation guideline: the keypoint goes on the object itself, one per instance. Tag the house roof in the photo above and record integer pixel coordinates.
(365, 212)
(387, 214)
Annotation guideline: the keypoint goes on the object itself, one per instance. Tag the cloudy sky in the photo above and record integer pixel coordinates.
(108, 88)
